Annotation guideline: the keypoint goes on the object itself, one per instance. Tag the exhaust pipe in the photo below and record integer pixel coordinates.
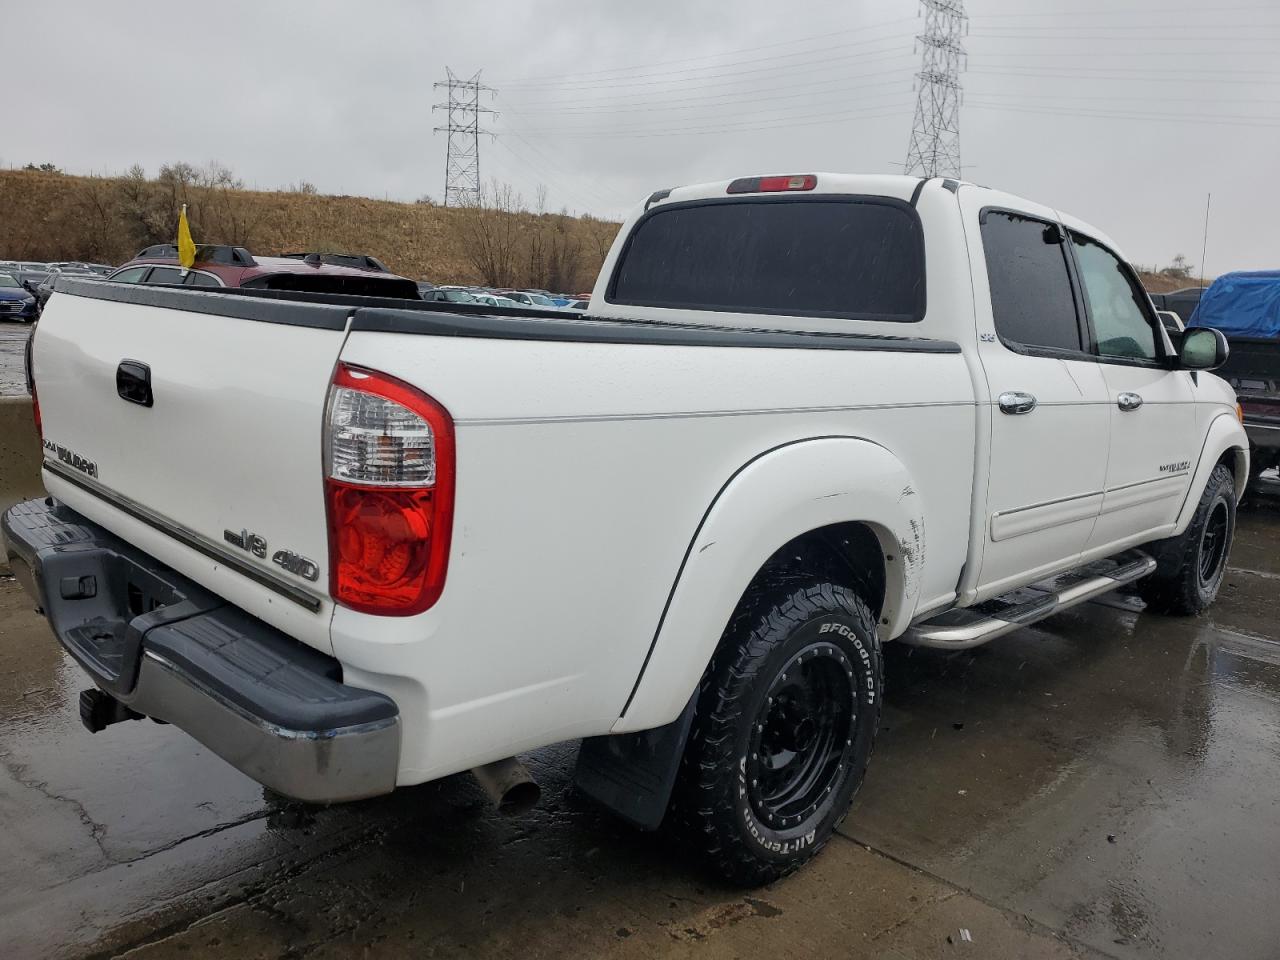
(508, 785)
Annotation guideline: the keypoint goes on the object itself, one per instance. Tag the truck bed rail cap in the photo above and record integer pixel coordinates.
(293, 312)
(592, 330)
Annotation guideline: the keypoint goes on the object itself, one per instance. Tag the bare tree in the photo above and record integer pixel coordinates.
(488, 232)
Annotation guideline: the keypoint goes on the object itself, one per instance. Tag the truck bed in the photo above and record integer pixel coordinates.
(590, 452)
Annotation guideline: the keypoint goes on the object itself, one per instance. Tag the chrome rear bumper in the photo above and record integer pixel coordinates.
(164, 647)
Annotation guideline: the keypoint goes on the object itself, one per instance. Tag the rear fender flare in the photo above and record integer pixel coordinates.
(779, 495)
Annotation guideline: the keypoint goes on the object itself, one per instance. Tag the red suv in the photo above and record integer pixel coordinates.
(227, 266)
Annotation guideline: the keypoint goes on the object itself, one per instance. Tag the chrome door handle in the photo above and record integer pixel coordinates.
(1128, 401)
(1015, 401)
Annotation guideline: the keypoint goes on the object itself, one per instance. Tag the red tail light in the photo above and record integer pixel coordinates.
(799, 181)
(389, 477)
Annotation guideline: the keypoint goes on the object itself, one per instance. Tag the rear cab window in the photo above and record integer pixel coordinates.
(849, 257)
(1032, 301)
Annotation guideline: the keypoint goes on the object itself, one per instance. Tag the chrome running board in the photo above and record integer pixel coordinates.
(965, 627)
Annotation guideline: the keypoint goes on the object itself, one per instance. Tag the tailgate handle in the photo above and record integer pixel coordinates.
(133, 382)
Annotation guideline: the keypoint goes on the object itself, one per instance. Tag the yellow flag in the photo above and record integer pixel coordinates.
(186, 246)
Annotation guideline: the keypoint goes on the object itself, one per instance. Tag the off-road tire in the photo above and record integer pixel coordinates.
(1190, 567)
(825, 635)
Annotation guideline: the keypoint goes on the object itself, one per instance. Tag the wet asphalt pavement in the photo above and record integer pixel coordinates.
(1106, 783)
(13, 339)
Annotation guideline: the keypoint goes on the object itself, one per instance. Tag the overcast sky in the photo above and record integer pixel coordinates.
(1124, 112)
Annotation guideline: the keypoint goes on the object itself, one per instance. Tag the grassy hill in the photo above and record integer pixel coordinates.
(55, 216)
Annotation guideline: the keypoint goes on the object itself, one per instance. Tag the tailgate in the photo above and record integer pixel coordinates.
(216, 472)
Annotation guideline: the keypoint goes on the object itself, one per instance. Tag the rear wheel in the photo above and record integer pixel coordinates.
(1191, 567)
(785, 724)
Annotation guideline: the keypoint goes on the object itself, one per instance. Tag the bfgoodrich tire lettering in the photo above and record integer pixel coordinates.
(1191, 567)
(786, 720)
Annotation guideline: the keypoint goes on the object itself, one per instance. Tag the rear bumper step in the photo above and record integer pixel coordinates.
(966, 627)
(160, 645)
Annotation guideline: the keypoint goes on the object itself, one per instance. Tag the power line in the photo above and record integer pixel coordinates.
(462, 124)
(1214, 119)
(1160, 11)
(1161, 98)
(809, 92)
(735, 85)
(592, 188)
(710, 56)
(1082, 73)
(935, 133)
(750, 109)
(887, 45)
(789, 120)
(572, 194)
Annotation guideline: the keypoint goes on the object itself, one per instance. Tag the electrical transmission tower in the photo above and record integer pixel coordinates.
(935, 133)
(462, 124)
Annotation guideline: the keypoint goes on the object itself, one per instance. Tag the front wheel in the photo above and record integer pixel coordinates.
(1191, 566)
(785, 723)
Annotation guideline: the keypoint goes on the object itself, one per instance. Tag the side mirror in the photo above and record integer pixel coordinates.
(1203, 348)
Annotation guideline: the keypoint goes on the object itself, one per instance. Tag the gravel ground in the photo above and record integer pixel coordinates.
(12, 338)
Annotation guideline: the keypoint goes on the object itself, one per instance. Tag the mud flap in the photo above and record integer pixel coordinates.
(633, 774)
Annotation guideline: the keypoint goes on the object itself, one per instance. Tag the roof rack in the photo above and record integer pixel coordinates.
(205, 253)
(357, 261)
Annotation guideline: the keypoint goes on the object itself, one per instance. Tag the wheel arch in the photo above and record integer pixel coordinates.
(1225, 443)
(833, 501)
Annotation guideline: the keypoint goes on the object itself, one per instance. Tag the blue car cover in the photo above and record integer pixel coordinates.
(1242, 304)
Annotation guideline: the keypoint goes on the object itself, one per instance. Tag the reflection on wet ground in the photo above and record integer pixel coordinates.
(1106, 783)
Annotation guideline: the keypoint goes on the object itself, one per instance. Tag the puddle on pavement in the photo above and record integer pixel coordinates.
(1107, 773)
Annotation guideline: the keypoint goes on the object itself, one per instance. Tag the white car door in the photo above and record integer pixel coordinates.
(1154, 443)
(1047, 399)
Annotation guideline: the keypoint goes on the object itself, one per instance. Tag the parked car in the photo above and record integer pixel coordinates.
(47, 286)
(529, 299)
(495, 300)
(579, 304)
(31, 279)
(231, 266)
(449, 295)
(16, 301)
(1246, 307)
(1183, 302)
(680, 527)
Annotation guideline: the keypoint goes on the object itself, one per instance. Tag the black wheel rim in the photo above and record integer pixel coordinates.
(802, 738)
(1213, 544)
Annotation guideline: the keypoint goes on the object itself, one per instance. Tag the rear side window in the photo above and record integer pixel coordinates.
(854, 257)
(1031, 298)
(195, 279)
(164, 275)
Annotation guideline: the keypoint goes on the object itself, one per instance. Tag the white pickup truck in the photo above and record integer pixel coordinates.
(355, 544)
